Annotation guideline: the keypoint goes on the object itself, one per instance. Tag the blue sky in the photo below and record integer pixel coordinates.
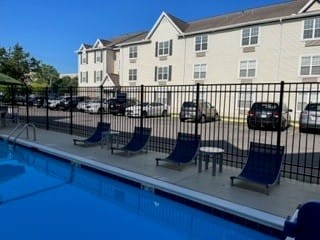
(52, 30)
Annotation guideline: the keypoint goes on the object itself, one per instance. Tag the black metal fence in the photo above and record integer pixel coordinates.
(229, 131)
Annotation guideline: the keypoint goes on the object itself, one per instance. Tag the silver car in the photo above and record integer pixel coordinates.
(310, 117)
(206, 112)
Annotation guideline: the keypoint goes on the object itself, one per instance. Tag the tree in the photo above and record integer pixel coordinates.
(16, 63)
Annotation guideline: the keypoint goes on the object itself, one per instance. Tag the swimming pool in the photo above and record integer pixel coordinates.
(46, 197)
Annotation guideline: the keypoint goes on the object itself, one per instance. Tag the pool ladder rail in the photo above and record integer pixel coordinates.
(19, 129)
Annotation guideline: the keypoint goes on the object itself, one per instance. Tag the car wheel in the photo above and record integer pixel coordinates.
(203, 119)
(182, 120)
(164, 113)
(144, 114)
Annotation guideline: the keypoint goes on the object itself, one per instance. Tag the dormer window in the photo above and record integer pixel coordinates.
(201, 43)
(133, 52)
(250, 36)
(311, 28)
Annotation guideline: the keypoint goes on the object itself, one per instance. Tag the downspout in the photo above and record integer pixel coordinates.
(184, 61)
(280, 50)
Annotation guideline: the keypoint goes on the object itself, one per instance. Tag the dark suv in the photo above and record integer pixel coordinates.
(206, 112)
(118, 105)
(264, 115)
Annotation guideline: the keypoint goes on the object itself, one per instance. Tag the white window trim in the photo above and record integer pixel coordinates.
(302, 31)
(247, 60)
(162, 67)
(245, 89)
(299, 67)
(250, 45)
(136, 75)
(135, 52)
(167, 54)
(206, 70)
(201, 50)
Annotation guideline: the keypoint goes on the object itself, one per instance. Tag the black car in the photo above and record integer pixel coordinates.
(118, 105)
(266, 115)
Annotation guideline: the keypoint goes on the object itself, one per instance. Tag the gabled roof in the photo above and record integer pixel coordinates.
(124, 38)
(176, 23)
(84, 46)
(248, 16)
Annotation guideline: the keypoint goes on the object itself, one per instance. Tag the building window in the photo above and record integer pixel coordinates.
(246, 97)
(84, 58)
(306, 96)
(84, 77)
(201, 43)
(310, 66)
(200, 71)
(311, 28)
(97, 76)
(133, 52)
(132, 74)
(98, 56)
(163, 48)
(250, 36)
(248, 69)
(163, 73)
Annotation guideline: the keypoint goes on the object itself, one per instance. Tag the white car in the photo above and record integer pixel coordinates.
(82, 106)
(148, 110)
(95, 107)
(54, 103)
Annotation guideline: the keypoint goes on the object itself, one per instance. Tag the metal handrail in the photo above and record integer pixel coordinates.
(24, 127)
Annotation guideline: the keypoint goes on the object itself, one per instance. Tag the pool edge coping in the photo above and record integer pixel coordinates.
(247, 213)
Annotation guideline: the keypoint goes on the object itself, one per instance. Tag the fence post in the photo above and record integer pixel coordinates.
(71, 113)
(101, 102)
(46, 101)
(141, 108)
(280, 116)
(197, 109)
(27, 104)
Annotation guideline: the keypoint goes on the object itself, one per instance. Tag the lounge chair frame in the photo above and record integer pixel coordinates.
(138, 142)
(97, 137)
(185, 151)
(263, 165)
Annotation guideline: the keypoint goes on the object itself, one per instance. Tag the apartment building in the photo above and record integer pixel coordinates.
(262, 45)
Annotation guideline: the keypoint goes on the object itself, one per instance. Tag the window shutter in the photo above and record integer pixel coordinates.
(170, 48)
(170, 70)
(156, 53)
(86, 77)
(94, 76)
(95, 57)
(155, 73)
(86, 58)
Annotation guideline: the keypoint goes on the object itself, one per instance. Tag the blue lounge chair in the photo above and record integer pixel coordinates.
(185, 150)
(137, 143)
(304, 224)
(263, 165)
(97, 137)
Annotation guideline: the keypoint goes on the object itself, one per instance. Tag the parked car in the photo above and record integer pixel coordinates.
(148, 110)
(265, 115)
(310, 117)
(206, 112)
(68, 102)
(54, 103)
(82, 105)
(95, 106)
(119, 105)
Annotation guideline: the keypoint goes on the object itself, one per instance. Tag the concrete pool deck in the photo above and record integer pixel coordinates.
(281, 201)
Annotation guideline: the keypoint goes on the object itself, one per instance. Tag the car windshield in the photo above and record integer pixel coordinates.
(265, 106)
(189, 104)
(313, 107)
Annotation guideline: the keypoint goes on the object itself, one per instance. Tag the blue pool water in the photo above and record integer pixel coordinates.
(46, 198)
